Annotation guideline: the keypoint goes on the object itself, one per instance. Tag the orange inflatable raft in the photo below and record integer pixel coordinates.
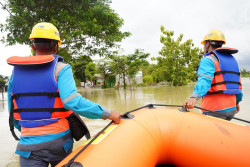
(166, 137)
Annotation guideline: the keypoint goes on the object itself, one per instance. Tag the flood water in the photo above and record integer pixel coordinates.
(119, 100)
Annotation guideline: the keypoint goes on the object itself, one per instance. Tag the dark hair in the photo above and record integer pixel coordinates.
(216, 44)
(44, 45)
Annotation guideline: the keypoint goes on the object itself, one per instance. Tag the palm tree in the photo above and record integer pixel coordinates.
(3, 81)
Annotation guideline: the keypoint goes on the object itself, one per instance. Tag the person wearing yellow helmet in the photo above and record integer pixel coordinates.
(214, 39)
(43, 100)
(45, 38)
(219, 83)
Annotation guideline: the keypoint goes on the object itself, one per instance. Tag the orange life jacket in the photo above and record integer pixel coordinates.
(36, 102)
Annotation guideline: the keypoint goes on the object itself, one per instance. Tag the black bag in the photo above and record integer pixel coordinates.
(77, 127)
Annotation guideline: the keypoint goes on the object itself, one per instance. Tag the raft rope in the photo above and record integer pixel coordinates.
(208, 111)
(92, 140)
(216, 113)
(126, 115)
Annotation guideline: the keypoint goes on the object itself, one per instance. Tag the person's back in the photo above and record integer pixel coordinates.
(218, 79)
(43, 94)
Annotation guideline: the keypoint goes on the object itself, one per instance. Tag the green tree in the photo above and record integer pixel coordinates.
(179, 60)
(148, 79)
(78, 66)
(90, 71)
(244, 73)
(135, 62)
(105, 70)
(118, 65)
(3, 81)
(85, 26)
(129, 65)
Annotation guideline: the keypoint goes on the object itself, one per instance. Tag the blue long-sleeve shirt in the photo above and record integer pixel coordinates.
(70, 98)
(71, 101)
(205, 77)
(74, 101)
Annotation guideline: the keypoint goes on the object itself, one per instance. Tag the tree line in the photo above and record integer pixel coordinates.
(91, 27)
(176, 64)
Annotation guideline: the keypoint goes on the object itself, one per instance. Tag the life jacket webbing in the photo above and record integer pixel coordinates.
(213, 93)
(11, 119)
(40, 110)
(224, 82)
(49, 94)
(15, 96)
(226, 72)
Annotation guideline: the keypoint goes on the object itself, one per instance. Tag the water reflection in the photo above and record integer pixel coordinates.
(120, 100)
(125, 100)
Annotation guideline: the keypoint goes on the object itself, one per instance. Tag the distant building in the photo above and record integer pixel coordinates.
(109, 82)
(99, 80)
(138, 79)
(87, 84)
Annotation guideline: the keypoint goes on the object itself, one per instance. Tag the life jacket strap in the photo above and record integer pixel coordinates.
(226, 72)
(213, 93)
(40, 110)
(17, 95)
(226, 82)
(49, 94)
(11, 119)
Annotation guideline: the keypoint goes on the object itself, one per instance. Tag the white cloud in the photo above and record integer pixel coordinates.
(193, 18)
(6, 52)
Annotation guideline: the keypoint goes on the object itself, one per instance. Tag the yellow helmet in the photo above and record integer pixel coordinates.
(214, 35)
(45, 30)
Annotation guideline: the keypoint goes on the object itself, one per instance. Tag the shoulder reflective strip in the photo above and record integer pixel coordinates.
(59, 65)
(56, 68)
(59, 69)
(207, 76)
(70, 97)
(213, 57)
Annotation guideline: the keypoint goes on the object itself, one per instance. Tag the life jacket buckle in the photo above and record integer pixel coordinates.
(17, 110)
(15, 96)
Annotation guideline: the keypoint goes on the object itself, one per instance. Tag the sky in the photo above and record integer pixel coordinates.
(192, 18)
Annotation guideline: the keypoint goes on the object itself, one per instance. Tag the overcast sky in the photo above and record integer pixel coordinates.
(193, 18)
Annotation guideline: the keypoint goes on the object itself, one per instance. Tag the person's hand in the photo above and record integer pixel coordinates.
(115, 116)
(237, 108)
(190, 103)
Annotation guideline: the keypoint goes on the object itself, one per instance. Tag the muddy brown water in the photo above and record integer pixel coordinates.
(120, 100)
